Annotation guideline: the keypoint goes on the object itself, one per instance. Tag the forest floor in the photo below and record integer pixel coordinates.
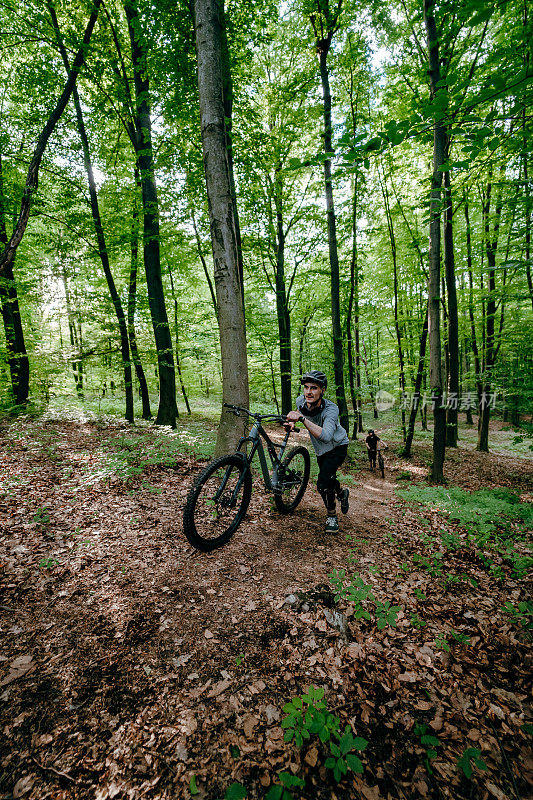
(134, 667)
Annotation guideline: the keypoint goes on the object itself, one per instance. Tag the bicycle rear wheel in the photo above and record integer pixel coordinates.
(381, 464)
(217, 502)
(293, 478)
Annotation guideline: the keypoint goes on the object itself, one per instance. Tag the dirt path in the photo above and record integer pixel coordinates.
(131, 663)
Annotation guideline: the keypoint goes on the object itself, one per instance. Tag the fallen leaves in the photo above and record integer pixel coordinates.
(20, 666)
(155, 664)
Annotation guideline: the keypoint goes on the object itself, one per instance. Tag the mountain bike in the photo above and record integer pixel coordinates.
(219, 498)
(381, 461)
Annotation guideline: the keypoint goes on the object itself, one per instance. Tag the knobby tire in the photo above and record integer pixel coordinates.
(212, 514)
(294, 477)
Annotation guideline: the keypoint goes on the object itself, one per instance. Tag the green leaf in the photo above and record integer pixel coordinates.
(274, 793)
(288, 780)
(355, 764)
(235, 792)
(193, 788)
(359, 743)
(429, 741)
(329, 763)
(345, 742)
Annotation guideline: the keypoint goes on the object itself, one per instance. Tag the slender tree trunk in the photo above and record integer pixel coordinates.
(435, 351)
(167, 410)
(177, 344)
(132, 302)
(75, 343)
(282, 304)
(99, 230)
(526, 151)
(368, 379)
(453, 319)
(352, 319)
(222, 219)
(338, 357)
(473, 335)
(406, 452)
(17, 356)
(32, 178)
(308, 316)
(392, 239)
(491, 245)
(204, 265)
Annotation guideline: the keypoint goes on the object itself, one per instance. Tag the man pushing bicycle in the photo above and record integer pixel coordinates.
(330, 441)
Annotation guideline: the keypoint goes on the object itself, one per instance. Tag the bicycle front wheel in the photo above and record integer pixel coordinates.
(293, 477)
(217, 503)
(381, 465)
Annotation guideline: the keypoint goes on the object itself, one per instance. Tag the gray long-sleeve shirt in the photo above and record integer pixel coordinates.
(327, 417)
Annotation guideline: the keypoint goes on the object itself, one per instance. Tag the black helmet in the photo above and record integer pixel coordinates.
(371, 431)
(315, 376)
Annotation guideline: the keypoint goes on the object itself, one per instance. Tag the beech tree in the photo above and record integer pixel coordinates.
(222, 217)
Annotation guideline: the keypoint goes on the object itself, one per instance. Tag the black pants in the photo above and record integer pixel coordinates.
(327, 484)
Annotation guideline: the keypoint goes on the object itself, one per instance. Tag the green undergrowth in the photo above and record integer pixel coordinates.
(486, 513)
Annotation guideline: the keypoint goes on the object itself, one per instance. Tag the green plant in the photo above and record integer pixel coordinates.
(42, 517)
(471, 754)
(420, 595)
(308, 715)
(281, 791)
(417, 622)
(193, 788)
(239, 659)
(441, 643)
(429, 743)
(431, 563)
(451, 541)
(462, 638)
(522, 613)
(386, 615)
(48, 563)
(236, 791)
(486, 514)
(342, 759)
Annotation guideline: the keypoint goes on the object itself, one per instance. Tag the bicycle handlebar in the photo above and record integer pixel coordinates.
(281, 418)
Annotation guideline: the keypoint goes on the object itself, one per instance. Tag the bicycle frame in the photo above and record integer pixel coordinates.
(254, 437)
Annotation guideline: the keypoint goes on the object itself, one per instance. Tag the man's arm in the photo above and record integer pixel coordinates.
(297, 416)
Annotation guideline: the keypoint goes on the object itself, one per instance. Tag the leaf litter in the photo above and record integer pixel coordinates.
(131, 664)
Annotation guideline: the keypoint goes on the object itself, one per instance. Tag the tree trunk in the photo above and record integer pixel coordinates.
(491, 246)
(369, 382)
(473, 335)
(17, 356)
(338, 358)
(227, 94)
(132, 302)
(222, 219)
(392, 239)
(167, 410)
(75, 341)
(177, 345)
(435, 352)
(406, 452)
(32, 178)
(453, 320)
(282, 305)
(99, 230)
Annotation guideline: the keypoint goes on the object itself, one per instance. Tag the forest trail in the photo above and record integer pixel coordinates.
(131, 663)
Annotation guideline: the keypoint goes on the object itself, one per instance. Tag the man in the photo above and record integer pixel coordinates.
(372, 447)
(321, 419)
